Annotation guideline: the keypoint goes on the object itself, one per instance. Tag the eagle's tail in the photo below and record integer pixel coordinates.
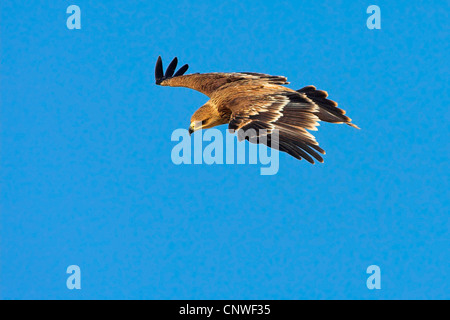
(328, 110)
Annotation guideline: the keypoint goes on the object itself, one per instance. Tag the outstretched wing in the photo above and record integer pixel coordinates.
(271, 107)
(207, 83)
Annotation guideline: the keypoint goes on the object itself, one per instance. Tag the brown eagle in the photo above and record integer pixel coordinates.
(248, 100)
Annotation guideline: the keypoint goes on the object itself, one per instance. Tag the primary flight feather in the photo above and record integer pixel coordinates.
(248, 100)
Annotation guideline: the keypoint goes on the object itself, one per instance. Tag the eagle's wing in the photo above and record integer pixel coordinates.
(207, 83)
(267, 108)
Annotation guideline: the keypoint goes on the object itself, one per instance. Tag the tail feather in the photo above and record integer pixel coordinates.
(328, 110)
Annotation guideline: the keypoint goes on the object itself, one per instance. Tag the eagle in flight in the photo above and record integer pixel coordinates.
(248, 100)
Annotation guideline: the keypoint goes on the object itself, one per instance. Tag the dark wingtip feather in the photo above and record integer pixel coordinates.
(159, 72)
(317, 148)
(182, 70)
(171, 68)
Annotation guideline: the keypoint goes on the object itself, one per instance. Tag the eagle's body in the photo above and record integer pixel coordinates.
(260, 102)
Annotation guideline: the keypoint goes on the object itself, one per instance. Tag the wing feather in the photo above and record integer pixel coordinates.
(208, 83)
(282, 109)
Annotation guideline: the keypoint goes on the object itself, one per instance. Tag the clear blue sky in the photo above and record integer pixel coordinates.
(87, 178)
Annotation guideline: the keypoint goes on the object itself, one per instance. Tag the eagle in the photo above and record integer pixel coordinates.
(258, 101)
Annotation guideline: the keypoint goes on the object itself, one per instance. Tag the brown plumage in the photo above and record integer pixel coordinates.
(257, 101)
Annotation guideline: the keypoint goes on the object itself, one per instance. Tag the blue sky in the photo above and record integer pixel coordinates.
(87, 178)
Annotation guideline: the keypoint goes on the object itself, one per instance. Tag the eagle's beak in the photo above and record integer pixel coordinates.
(194, 126)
